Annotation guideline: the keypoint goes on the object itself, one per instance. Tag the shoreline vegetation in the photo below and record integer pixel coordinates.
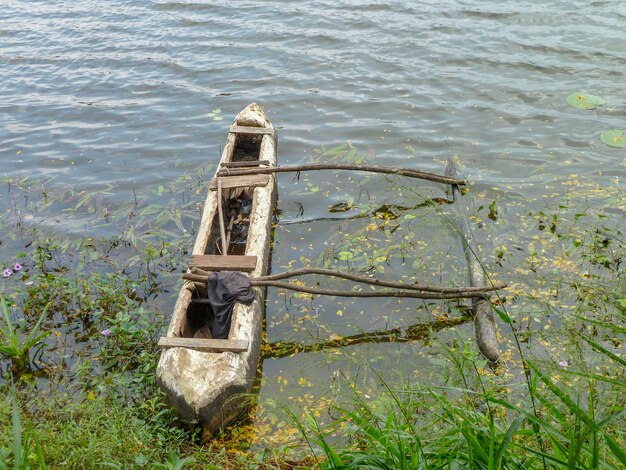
(88, 278)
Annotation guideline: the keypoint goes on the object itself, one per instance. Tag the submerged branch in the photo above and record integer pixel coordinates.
(412, 333)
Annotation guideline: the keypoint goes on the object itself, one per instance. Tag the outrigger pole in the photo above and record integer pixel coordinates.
(389, 170)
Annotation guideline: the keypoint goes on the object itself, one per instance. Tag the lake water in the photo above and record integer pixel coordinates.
(118, 99)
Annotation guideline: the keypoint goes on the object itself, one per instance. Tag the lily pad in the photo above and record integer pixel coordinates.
(614, 138)
(584, 101)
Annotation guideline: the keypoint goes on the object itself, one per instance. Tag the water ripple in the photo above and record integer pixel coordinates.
(134, 81)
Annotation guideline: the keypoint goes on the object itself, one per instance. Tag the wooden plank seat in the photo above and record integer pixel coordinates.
(244, 164)
(251, 130)
(204, 344)
(244, 181)
(224, 262)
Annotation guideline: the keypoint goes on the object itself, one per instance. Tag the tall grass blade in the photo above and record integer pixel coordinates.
(503, 315)
(20, 447)
(616, 449)
(612, 326)
(39, 453)
(598, 377)
(554, 411)
(304, 433)
(506, 440)
(7, 318)
(553, 433)
(334, 459)
(611, 418)
(13, 347)
(603, 350)
(32, 339)
(547, 456)
(567, 401)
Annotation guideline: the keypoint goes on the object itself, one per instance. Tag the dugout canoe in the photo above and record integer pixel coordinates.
(209, 380)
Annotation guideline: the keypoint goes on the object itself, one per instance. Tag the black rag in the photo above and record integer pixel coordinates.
(224, 289)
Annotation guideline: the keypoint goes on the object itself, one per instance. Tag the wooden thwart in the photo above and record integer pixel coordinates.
(224, 263)
(251, 130)
(244, 164)
(244, 181)
(204, 344)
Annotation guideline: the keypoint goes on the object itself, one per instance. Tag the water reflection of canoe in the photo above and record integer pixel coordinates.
(207, 380)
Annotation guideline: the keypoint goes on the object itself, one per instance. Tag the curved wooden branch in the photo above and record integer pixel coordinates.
(347, 293)
(343, 166)
(343, 293)
(378, 282)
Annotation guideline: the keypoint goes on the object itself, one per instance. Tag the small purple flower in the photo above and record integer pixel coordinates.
(106, 332)
(17, 267)
(29, 283)
(7, 273)
(563, 363)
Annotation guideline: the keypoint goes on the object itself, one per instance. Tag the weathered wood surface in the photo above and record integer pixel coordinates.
(251, 130)
(241, 181)
(242, 263)
(211, 387)
(484, 323)
(244, 164)
(204, 344)
(220, 213)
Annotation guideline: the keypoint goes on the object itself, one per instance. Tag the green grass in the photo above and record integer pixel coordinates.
(480, 427)
(24, 447)
(92, 432)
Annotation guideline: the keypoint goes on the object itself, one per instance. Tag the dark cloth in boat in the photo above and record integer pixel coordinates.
(224, 289)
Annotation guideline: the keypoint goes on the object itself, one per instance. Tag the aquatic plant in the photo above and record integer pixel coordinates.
(611, 137)
(12, 343)
(614, 138)
(216, 114)
(585, 100)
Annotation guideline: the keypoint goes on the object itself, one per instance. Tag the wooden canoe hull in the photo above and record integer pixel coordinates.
(213, 387)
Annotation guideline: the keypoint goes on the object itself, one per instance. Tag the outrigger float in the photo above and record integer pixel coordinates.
(211, 349)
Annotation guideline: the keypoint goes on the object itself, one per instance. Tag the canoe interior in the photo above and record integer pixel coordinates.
(211, 387)
(237, 206)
